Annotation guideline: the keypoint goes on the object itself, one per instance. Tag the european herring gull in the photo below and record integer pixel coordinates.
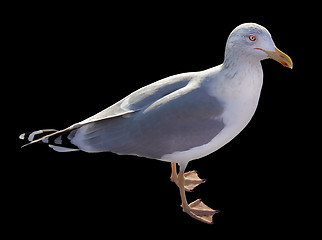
(182, 117)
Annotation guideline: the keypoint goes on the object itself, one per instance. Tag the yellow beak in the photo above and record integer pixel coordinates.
(280, 57)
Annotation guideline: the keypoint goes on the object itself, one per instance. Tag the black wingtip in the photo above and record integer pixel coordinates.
(35, 136)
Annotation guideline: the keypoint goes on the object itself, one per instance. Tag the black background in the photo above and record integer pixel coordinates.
(67, 62)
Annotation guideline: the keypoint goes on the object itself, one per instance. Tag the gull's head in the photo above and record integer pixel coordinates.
(254, 42)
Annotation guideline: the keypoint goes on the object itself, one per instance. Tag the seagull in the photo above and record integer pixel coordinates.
(182, 117)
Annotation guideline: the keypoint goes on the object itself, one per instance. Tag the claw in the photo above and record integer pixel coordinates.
(200, 211)
(192, 180)
(187, 182)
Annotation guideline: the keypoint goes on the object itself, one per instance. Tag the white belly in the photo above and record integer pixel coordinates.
(237, 114)
(240, 95)
(235, 121)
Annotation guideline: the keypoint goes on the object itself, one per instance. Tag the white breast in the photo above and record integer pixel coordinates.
(241, 99)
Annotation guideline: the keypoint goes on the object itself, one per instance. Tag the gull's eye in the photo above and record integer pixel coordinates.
(252, 37)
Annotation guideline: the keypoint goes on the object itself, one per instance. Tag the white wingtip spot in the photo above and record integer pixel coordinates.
(22, 136)
(31, 136)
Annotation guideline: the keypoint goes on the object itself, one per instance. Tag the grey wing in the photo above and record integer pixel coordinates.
(135, 102)
(181, 120)
(143, 97)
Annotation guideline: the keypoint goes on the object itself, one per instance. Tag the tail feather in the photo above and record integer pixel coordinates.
(58, 140)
